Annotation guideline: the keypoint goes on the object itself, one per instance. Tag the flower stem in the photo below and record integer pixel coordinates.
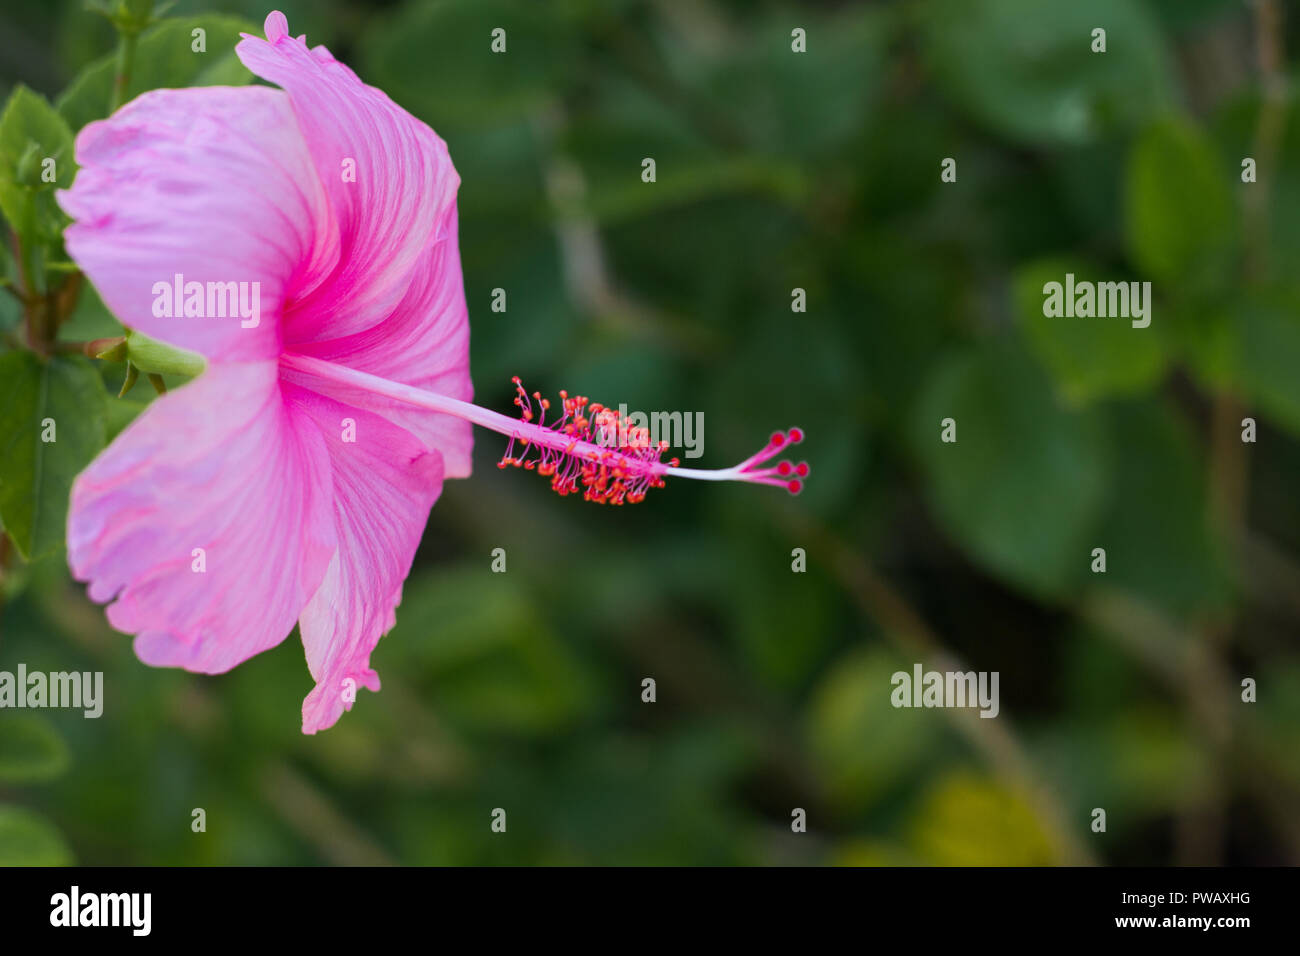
(126, 43)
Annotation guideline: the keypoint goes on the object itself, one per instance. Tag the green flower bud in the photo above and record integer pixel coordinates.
(152, 356)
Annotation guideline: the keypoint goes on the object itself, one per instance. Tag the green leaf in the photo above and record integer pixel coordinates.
(32, 134)
(122, 412)
(792, 103)
(1264, 353)
(1249, 346)
(620, 194)
(1090, 358)
(30, 129)
(1155, 531)
(496, 667)
(625, 125)
(968, 820)
(1136, 757)
(427, 49)
(1180, 217)
(1274, 252)
(30, 749)
(1026, 68)
(1020, 488)
(90, 319)
(863, 745)
(1182, 16)
(62, 399)
(1275, 720)
(28, 839)
(164, 58)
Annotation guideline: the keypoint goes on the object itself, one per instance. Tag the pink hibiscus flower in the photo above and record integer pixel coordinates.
(304, 241)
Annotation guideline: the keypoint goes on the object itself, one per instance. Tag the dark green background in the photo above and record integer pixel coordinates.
(779, 170)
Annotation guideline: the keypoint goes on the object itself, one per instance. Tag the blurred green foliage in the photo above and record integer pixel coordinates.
(775, 170)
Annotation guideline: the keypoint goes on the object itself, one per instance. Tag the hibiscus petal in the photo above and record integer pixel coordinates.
(225, 465)
(424, 343)
(387, 212)
(385, 482)
(214, 184)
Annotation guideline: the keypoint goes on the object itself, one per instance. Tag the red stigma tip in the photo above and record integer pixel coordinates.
(783, 468)
(801, 469)
(795, 486)
(796, 436)
(778, 438)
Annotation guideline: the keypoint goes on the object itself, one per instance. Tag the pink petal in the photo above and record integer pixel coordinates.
(214, 184)
(276, 25)
(424, 343)
(404, 183)
(222, 464)
(384, 484)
